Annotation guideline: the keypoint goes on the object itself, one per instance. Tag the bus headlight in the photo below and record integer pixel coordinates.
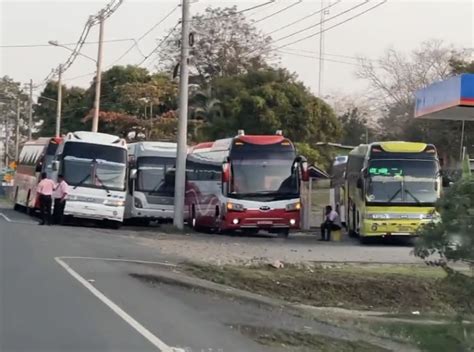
(138, 203)
(235, 207)
(293, 206)
(114, 202)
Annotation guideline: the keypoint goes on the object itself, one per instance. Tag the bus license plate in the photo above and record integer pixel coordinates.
(264, 222)
(404, 229)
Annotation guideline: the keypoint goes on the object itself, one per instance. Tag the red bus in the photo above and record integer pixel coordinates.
(248, 182)
(36, 157)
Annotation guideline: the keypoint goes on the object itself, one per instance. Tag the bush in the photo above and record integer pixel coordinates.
(451, 240)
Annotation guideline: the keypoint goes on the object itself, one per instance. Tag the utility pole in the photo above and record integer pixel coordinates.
(180, 177)
(59, 102)
(462, 140)
(7, 137)
(17, 130)
(30, 111)
(98, 78)
(321, 49)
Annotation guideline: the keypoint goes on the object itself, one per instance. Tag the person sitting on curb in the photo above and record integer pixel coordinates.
(332, 223)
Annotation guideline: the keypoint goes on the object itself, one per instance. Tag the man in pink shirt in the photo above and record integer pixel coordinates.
(60, 193)
(45, 191)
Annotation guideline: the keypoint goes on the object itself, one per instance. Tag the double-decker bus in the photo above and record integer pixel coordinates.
(35, 157)
(391, 188)
(248, 182)
(95, 166)
(150, 193)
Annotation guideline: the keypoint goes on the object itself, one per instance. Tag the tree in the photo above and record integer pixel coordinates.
(263, 101)
(450, 240)
(74, 108)
(225, 44)
(355, 128)
(10, 93)
(395, 77)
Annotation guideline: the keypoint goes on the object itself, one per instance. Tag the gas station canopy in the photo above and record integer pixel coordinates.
(451, 99)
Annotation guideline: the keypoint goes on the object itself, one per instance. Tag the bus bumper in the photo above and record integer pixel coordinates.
(254, 219)
(152, 214)
(378, 228)
(93, 211)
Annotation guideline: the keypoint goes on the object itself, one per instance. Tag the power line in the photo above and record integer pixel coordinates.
(135, 44)
(318, 57)
(159, 44)
(321, 22)
(333, 26)
(238, 12)
(103, 14)
(279, 11)
(327, 54)
(62, 44)
(305, 17)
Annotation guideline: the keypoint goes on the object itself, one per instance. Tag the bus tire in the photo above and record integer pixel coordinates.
(115, 225)
(16, 206)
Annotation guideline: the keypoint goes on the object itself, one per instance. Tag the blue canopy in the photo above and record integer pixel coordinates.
(451, 99)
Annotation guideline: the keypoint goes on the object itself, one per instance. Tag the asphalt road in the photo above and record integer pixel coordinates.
(58, 293)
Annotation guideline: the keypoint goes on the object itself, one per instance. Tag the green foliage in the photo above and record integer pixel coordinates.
(74, 109)
(461, 66)
(264, 101)
(451, 240)
(354, 128)
(312, 155)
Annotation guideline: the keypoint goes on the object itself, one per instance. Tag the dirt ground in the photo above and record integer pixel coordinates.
(247, 249)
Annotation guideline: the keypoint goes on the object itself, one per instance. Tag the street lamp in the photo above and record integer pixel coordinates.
(55, 43)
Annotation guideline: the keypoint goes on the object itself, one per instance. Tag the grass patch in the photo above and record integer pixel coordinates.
(432, 338)
(304, 342)
(396, 291)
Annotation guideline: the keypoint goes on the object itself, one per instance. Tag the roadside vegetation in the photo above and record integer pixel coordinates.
(394, 289)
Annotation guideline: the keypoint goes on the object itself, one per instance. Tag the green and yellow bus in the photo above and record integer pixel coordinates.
(391, 188)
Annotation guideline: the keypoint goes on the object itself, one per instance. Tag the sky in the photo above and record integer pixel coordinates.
(399, 24)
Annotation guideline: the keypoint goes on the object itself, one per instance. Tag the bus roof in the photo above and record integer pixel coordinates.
(166, 149)
(95, 138)
(402, 147)
(226, 144)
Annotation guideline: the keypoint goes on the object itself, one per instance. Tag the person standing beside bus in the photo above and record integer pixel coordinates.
(45, 190)
(60, 193)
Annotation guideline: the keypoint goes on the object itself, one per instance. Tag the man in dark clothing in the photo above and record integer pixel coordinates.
(60, 193)
(45, 191)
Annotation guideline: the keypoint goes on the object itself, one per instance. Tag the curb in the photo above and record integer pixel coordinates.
(178, 278)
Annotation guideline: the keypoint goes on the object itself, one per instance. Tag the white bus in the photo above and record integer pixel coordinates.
(151, 181)
(94, 165)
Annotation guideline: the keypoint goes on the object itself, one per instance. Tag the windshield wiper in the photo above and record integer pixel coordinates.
(413, 196)
(102, 184)
(82, 181)
(395, 195)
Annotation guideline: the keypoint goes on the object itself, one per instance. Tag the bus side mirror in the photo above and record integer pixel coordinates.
(133, 174)
(360, 184)
(225, 172)
(54, 166)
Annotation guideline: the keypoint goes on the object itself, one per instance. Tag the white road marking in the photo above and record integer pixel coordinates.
(5, 217)
(122, 260)
(163, 347)
(16, 221)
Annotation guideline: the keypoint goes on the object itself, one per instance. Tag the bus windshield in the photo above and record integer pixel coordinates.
(264, 174)
(156, 175)
(94, 165)
(402, 181)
